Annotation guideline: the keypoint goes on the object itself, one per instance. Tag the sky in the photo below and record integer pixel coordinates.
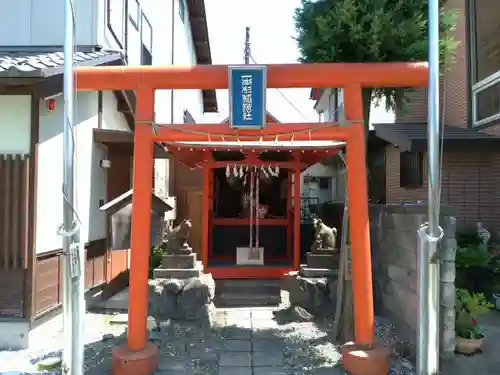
(271, 36)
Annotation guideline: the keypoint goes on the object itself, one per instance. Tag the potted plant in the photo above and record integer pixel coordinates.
(469, 335)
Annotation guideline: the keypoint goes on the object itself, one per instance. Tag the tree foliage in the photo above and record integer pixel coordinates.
(371, 31)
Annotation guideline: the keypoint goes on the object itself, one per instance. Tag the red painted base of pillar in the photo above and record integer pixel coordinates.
(359, 360)
(129, 362)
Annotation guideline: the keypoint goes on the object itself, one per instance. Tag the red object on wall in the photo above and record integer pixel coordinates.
(51, 104)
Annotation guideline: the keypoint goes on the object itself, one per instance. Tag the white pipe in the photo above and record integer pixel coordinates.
(429, 234)
(73, 300)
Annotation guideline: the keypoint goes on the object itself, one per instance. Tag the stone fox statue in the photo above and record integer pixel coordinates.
(325, 237)
(177, 238)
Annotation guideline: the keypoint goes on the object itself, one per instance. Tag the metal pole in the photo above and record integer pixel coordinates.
(247, 45)
(430, 233)
(73, 304)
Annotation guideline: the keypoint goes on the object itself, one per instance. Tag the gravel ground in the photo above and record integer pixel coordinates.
(244, 342)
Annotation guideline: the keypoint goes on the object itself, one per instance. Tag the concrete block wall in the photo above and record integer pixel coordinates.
(394, 260)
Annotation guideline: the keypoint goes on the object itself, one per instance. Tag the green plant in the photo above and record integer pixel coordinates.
(469, 306)
(477, 270)
(155, 257)
(468, 237)
(471, 256)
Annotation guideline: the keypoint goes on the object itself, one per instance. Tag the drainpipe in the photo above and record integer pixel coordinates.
(73, 263)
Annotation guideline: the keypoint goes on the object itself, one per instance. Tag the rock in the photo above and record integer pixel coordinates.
(107, 336)
(316, 295)
(301, 315)
(174, 286)
(177, 299)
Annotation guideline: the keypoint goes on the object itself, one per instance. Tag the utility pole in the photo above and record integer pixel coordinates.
(430, 233)
(73, 286)
(247, 45)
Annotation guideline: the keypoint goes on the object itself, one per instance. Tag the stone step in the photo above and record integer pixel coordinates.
(317, 272)
(247, 284)
(247, 292)
(172, 273)
(228, 299)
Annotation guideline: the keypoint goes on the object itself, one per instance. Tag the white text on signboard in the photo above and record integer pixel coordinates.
(246, 91)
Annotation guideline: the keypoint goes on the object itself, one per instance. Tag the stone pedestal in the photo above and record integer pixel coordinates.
(181, 291)
(314, 286)
(179, 261)
(329, 260)
(179, 266)
(315, 294)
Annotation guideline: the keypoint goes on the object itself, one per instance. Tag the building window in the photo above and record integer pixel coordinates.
(484, 47)
(115, 14)
(182, 10)
(411, 165)
(146, 42)
(134, 13)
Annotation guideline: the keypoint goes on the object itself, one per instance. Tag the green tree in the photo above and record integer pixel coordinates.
(371, 31)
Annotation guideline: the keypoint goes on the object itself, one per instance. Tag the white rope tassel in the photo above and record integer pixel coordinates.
(251, 208)
(263, 169)
(228, 171)
(257, 217)
(235, 171)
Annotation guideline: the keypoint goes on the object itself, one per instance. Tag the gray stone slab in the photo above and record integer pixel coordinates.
(317, 272)
(263, 314)
(265, 345)
(230, 370)
(171, 364)
(269, 370)
(265, 333)
(237, 345)
(177, 261)
(330, 261)
(165, 273)
(269, 358)
(265, 324)
(236, 313)
(233, 359)
(233, 333)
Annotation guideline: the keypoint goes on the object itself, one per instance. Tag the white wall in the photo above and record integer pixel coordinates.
(41, 23)
(15, 124)
(160, 15)
(90, 178)
(309, 190)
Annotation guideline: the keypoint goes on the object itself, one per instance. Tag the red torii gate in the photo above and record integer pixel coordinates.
(138, 356)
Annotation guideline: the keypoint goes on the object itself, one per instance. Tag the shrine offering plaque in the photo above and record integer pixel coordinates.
(246, 255)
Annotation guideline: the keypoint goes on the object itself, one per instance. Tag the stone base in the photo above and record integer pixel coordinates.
(330, 260)
(189, 299)
(357, 360)
(316, 295)
(131, 362)
(177, 273)
(307, 271)
(179, 261)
